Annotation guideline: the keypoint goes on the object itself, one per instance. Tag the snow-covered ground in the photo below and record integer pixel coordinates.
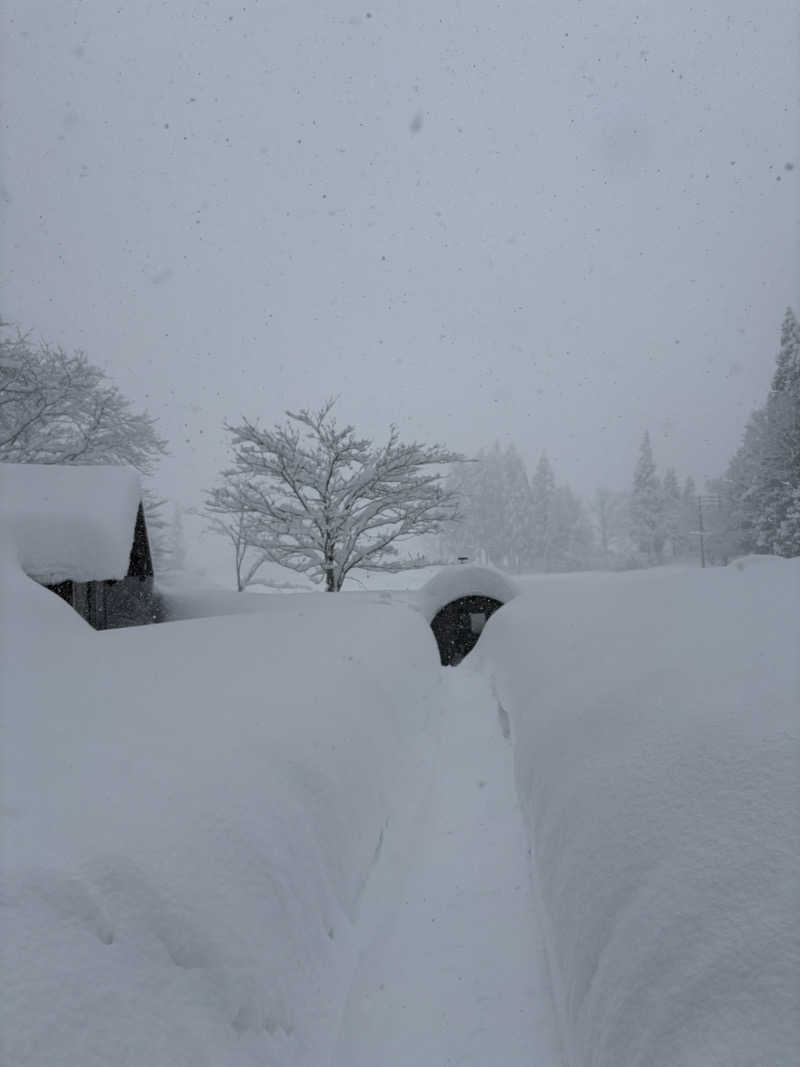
(191, 813)
(655, 727)
(287, 836)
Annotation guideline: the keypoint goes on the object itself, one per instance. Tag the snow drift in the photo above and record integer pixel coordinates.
(191, 813)
(655, 725)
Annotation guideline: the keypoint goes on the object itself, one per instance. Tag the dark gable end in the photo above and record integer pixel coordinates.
(132, 601)
(141, 562)
(111, 604)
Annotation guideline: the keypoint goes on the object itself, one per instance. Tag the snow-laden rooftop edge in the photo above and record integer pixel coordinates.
(70, 522)
(457, 581)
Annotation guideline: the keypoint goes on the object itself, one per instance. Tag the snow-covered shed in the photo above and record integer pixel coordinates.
(81, 532)
(458, 601)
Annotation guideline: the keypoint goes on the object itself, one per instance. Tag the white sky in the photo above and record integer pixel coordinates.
(554, 224)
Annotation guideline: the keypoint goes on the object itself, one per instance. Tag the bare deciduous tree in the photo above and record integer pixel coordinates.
(323, 502)
(231, 519)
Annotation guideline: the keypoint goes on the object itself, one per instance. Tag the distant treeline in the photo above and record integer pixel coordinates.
(532, 523)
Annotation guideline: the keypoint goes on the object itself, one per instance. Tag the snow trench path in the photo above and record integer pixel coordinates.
(457, 975)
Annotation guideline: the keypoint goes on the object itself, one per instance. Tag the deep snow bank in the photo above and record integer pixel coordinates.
(190, 815)
(655, 725)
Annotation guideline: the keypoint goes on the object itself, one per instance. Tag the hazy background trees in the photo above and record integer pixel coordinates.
(516, 522)
(533, 523)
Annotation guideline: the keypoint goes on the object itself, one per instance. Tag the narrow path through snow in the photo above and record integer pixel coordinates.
(458, 975)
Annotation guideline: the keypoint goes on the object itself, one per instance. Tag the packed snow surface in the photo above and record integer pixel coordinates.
(457, 974)
(68, 521)
(655, 728)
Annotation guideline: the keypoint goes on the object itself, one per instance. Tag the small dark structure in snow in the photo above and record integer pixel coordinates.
(81, 532)
(458, 626)
(458, 602)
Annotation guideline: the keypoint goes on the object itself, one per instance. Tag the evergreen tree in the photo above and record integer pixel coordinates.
(543, 490)
(786, 378)
(511, 522)
(612, 516)
(742, 482)
(495, 507)
(519, 506)
(491, 506)
(157, 530)
(478, 532)
(459, 537)
(762, 482)
(778, 483)
(573, 537)
(688, 518)
(671, 510)
(646, 506)
(789, 532)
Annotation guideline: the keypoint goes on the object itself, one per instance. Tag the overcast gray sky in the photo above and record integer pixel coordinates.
(554, 224)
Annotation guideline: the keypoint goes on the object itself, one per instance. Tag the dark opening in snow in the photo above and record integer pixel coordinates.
(458, 626)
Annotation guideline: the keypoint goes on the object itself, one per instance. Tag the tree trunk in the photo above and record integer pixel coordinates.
(330, 577)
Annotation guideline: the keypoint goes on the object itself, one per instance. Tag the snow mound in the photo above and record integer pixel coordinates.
(191, 815)
(458, 581)
(70, 522)
(742, 563)
(655, 727)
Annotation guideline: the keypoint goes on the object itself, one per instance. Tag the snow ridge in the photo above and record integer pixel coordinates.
(655, 725)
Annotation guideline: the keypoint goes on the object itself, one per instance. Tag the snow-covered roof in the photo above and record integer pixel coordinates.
(70, 522)
(459, 580)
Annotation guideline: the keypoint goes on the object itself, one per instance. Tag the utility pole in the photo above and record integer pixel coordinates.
(702, 538)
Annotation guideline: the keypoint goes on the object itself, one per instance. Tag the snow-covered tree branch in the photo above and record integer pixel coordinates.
(317, 499)
(60, 408)
(230, 518)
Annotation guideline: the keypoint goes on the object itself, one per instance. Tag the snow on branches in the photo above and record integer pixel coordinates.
(322, 501)
(60, 408)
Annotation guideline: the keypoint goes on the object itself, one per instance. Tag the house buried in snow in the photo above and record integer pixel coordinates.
(81, 532)
(458, 602)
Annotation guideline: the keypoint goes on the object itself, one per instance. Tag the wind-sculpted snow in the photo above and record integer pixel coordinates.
(191, 813)
(655, 725)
